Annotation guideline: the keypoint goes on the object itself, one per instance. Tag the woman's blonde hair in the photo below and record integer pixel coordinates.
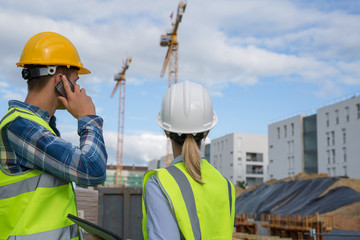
(192, 159)
(191, 153)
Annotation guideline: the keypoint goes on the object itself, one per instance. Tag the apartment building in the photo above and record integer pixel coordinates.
(325, 142)
(241, 157)
(338, 127)
(286, 151)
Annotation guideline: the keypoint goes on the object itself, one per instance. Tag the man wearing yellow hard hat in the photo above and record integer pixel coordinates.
(37, 166)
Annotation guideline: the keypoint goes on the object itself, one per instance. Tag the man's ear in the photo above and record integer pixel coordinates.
(57, 77)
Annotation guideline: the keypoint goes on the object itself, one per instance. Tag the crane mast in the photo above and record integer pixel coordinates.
(121, 84)
(171, 59)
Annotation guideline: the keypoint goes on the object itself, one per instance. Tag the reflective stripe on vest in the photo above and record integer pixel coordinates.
(69, 232)
(29, 185)
(33, 204)
(197, 215)
(189, 199)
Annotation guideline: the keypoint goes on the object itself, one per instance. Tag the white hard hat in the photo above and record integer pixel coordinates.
(186, 109)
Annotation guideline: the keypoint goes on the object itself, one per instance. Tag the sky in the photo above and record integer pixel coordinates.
(261, 61)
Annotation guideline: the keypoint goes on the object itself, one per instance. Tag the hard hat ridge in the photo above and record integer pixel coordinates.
(186, 109)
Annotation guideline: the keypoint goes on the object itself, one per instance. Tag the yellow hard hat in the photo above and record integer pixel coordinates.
(49, 48)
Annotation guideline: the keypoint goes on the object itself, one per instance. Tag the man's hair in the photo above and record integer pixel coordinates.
(38, 83)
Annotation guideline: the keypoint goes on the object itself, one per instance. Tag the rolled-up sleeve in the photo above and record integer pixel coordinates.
(38, 148)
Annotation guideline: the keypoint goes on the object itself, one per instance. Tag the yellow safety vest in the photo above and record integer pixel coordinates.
(34, 204)
(202, 211)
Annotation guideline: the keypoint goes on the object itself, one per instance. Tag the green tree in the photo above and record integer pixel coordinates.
(241, 184)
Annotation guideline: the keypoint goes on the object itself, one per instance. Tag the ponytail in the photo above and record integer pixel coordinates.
(191, 157)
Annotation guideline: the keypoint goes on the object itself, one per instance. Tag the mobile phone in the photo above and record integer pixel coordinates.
(61, 90)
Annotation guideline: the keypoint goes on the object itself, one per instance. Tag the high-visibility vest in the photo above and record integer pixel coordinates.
(202, 211)
(34, 204)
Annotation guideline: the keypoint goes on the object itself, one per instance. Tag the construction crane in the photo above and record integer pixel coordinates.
(171, 59)
(121, 84)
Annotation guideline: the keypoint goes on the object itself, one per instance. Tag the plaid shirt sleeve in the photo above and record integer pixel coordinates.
(36, 147)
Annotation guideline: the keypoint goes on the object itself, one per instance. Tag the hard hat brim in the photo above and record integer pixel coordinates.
(82, 70)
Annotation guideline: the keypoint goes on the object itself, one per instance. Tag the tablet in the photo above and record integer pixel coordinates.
(94, 229)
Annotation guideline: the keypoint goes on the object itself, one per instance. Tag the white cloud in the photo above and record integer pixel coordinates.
(9, 95)
(329, 87)
(4, 84)
(209, 42)
(138, 149)
(231, 41)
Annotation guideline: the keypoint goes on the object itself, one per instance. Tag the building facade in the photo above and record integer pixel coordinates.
(339, 138)
(326, 142)
(241, 157)
(286, 152)
(158, 163)
(131, 175)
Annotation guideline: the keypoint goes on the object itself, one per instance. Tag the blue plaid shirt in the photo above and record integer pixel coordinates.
(31, 146)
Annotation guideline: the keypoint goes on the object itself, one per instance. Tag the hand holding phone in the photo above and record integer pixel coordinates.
(61, 90)
(76, 102)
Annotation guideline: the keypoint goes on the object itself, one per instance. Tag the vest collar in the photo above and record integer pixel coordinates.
(45, 115)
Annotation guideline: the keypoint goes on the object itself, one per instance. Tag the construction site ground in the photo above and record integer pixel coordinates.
(345, 217)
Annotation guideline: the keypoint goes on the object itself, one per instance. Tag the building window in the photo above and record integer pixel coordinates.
(344, 154)
(328, 139)
(345, 170)
(358, 111)
(328, 156)
(251, 169)
(254, 157)
(239, 142)
(289, 147)
(285, 131)
(289, 160)
(329, 173)
(327, 119)
(347, 116)
(278, 132)
(333, 156)
(337, 116)
(333, 137)
(334, 171)
(239, 154)
(343, 136)
(292, 129)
